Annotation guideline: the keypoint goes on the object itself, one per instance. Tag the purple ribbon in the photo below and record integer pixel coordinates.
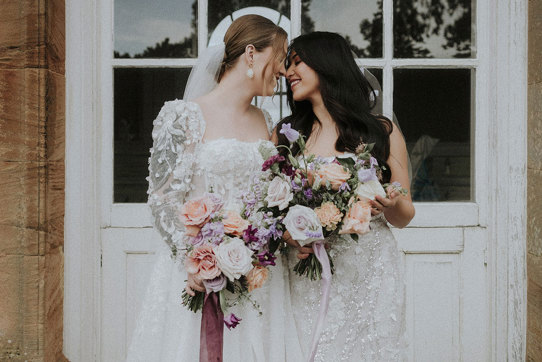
(212, 330)
(321, 255)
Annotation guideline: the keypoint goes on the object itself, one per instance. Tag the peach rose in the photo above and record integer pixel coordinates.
(334, 173)
(234, 224)
(329, 215)
(256, 277)
(195, 213)
(357, 218)
(202, 262)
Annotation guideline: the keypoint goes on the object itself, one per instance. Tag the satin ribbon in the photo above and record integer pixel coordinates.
(211, 337)
(321, 255)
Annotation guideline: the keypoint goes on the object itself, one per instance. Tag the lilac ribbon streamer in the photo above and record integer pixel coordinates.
(321, 255)
(212, 330)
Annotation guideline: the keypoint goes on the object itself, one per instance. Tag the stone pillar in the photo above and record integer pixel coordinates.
(534, 185)
(32, 85)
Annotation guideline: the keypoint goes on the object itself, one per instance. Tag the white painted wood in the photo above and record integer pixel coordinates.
(430, 240)
(433, 295)
(474, 304)
(295, 18)
(507, 205)
(428, 214)
(127, 264)
(81, 226)
(153, 63)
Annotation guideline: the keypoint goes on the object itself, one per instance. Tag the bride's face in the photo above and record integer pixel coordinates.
(302, 79)
(268, 67)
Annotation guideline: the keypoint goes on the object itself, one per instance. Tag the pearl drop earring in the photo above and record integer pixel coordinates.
(250, 72)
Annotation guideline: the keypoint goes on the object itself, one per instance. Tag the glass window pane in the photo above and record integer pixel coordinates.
(220, 13)
(155, 29)
(433, 107)
(432, 29)
(360, 22)
(139, 95)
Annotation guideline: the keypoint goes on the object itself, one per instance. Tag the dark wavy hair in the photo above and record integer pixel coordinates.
(346, 94)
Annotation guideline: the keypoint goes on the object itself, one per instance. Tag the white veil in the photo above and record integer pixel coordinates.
(203, 76)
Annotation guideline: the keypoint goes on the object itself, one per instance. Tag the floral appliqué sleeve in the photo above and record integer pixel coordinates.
(178, 130)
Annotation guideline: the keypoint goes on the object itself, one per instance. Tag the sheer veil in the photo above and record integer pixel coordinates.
(203, 76)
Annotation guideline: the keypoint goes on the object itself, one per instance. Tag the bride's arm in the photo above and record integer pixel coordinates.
(397, 208)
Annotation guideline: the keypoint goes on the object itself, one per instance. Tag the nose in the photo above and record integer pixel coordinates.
(290, 71)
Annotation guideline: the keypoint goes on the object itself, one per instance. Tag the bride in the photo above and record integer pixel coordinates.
(208, 141)
(331, 104)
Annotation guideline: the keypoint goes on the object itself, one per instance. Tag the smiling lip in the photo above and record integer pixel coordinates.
(294, 82)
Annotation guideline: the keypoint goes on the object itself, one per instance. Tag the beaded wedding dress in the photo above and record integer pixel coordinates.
(366, 316)
(182, 167)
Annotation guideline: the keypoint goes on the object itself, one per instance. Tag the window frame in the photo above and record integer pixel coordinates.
(434, 214)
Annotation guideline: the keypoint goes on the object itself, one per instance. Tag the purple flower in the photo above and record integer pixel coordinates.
(197, 240)
(367, 174)
(271, 161)
(216, 284)
(344, 187)
(308, 194)
(374, 162)
(266, 258)
(396, 184)
(231, 321)
(291, 134)
(295, 186)
(213, 232)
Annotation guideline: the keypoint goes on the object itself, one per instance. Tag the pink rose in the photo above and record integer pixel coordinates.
(234, 224)
(357, 218)
(256, 277)
(335, 173)
(202, 262)
(195, 213)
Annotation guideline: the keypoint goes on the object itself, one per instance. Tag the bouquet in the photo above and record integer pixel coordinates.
(226, 251)
(316, 198)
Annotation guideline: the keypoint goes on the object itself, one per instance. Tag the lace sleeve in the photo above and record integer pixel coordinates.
(269, 121)
(177, 131)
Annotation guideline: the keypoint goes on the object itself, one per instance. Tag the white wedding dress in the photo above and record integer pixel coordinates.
(181, 167)
(366, 316)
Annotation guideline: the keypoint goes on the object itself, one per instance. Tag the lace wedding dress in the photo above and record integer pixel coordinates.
(366, 317)
(182, 166)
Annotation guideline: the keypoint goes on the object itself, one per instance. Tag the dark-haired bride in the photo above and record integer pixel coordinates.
(331, 103)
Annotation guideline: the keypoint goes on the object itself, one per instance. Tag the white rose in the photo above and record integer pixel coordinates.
(233, 258)
(370, 189)
(303, 225)
(279, 193)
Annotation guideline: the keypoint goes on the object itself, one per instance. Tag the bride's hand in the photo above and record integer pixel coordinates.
(194, 283)
(302, 251)
(380, 204)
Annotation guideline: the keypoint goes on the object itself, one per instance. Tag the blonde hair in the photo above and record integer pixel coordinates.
(251, 29)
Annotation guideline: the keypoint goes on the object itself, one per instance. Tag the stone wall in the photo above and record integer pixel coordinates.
(32, 85)
(534, 185)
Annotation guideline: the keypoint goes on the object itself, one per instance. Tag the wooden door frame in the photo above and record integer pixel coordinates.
(504, 41)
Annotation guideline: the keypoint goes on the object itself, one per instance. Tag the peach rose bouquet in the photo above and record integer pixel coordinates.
(229, 253)
(300, 190)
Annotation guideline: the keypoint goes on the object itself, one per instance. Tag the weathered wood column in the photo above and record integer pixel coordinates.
(534, 185)
(32, 85)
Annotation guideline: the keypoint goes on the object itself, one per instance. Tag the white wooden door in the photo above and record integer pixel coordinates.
(452, 313)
